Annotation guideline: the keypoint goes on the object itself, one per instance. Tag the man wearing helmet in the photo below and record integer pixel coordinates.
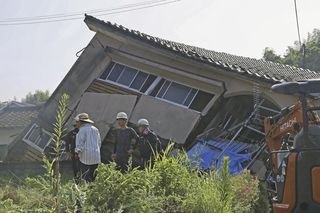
(149, 143)
(125, 140)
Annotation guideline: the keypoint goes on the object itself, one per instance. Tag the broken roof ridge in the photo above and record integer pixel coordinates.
(258, 68)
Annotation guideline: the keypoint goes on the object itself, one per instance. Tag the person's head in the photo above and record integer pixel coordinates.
(81, 119)
(122, 119)
(76, 123)
(142, 124)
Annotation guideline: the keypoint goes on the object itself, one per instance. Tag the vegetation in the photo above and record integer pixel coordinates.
(2, 104)
(307, 56)
(170, 185)
(38, 97)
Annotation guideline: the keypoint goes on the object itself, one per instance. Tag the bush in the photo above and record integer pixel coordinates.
(171, 185)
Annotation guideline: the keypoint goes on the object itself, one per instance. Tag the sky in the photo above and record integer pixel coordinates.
(38, 56)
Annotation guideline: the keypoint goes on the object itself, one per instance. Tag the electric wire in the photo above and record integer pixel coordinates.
(64, 17)
(297, 21)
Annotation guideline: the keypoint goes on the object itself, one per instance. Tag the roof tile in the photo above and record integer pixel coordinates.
(257, 68)
(17, 116)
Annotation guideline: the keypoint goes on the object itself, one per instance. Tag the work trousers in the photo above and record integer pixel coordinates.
(88, 172)
(122, 163)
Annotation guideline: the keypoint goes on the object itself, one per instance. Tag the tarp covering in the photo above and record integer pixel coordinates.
(205, 153)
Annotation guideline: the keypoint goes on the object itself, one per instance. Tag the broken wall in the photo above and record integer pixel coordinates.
(103, 108)
(168, 120)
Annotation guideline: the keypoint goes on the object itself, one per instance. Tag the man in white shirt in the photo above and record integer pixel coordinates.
(88, 143)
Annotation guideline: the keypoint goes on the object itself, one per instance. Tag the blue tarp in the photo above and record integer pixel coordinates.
(205, 154)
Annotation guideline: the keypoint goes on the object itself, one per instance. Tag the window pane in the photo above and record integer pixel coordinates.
(177, 93)
(156, 89)
(115, 73)
(139, 80)
(201, 100)
(34, 134)
(107, 71)
(127, 76)
(163, 89)
(148, 83)
(44, 140)
(190, 97)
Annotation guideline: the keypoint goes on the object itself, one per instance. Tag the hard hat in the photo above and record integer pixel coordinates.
(122, 115)
(143, 122)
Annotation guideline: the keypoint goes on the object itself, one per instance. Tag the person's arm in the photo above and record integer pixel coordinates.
(134, 139)
(99, 138)
(153, 139)
(80, 139)
(115, 142)
(113, 155)
(67, 139)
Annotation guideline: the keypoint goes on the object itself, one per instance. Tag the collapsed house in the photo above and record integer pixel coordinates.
(14, 118)
(189, 94)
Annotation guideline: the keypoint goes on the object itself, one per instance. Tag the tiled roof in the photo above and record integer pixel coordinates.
(250, 67)
(17, 116)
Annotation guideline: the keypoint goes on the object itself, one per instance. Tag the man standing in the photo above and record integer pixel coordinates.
(88, 145)
(70, 140)
(125, 140)
(149, 143)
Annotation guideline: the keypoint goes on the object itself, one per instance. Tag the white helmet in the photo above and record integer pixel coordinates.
(143, 122)
(122, 115)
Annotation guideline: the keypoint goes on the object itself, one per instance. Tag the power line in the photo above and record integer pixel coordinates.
(297, 21)
(79, 15)
(62, 15)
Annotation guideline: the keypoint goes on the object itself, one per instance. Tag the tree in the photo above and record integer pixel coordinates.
(307, 56)
(2, 104)
(37, 97)
(270, 55)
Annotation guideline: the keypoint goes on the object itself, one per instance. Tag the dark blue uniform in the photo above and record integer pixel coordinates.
(149, 145)
(124, 141)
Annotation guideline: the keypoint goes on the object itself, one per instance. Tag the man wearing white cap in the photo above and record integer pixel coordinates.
(88, 143)
(125, 140)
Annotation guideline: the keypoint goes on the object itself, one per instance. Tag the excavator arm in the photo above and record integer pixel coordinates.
(288, 122)
(298, 177)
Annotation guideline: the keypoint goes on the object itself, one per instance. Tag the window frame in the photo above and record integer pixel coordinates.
(33, 144)
(169, 101)
(152, 86)
(122, 85)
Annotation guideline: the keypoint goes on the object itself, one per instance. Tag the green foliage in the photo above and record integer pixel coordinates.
(53, 165)
(270, 55)
(2, 104)
(35, 196)
(245, 187)
(171, 185)
(294, 54)
(263, 203)
(37, 97)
